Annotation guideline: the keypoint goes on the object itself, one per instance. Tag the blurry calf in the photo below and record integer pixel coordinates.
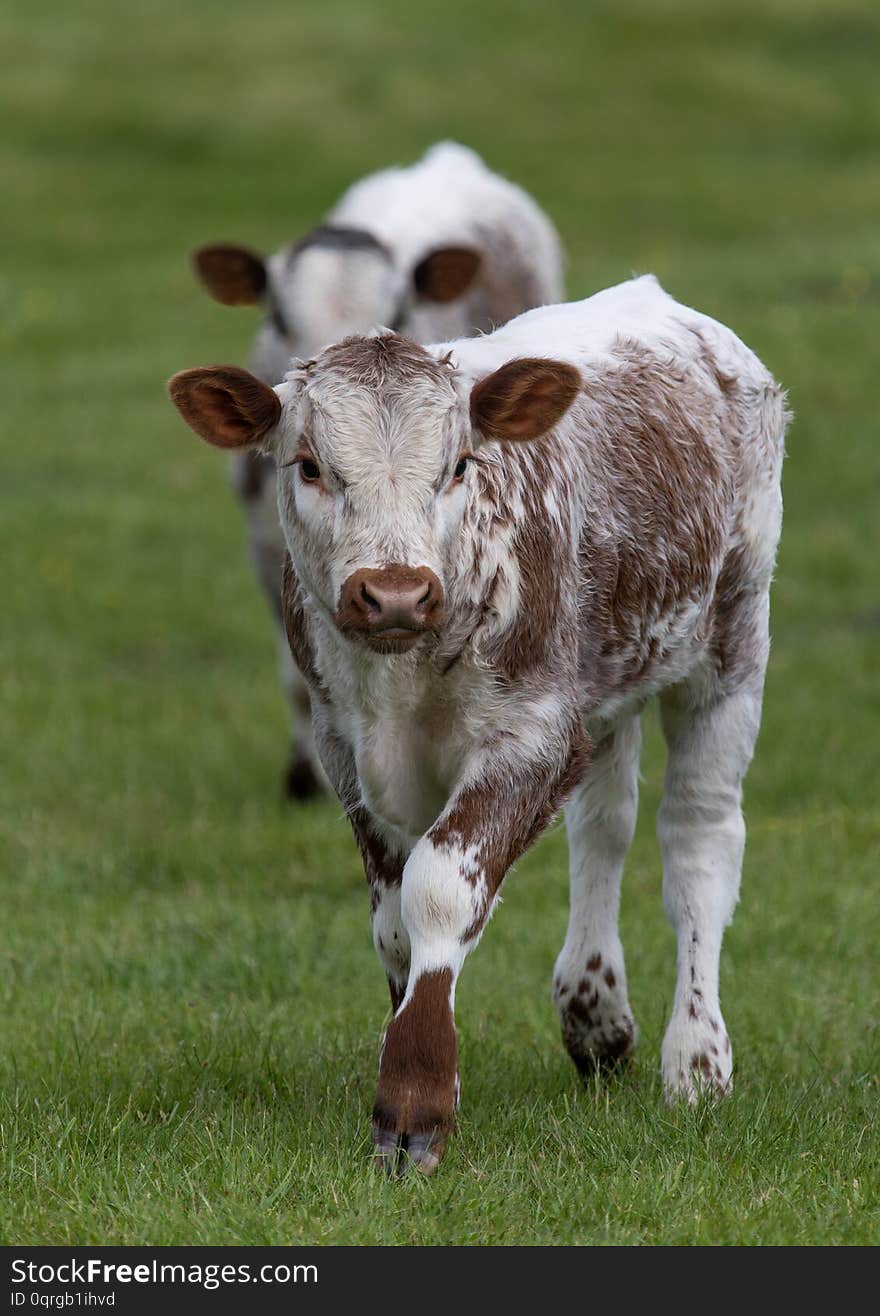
(442, 249)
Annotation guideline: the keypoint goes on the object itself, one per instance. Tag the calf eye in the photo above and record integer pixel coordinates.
(309, 471)
(460, 469)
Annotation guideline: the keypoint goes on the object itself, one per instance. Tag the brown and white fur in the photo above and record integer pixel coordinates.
(500, 549)
(441, 249)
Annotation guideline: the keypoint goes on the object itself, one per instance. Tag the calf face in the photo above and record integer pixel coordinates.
(375, 442)
(336, 281)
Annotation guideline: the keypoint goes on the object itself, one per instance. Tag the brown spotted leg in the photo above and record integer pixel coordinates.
(450, 882)
(589, 981)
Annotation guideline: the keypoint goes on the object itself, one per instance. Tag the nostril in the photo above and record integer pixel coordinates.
(420, 603)
(371, 601)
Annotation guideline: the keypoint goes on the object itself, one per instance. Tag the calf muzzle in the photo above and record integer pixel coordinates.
(390, 608)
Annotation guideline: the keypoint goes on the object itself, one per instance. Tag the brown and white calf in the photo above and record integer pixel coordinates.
(501, 549)
(441, 249)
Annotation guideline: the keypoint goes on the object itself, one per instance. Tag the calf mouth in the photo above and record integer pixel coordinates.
(393, 639)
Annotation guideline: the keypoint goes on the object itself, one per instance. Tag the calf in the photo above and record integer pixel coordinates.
(442, 249)
(500, 549)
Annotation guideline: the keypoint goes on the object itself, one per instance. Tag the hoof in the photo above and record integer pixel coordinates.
(396, 1153)
(597, 1045)
(598, 1029)
(696, 1057)
(614, 1056)
(704, 1078)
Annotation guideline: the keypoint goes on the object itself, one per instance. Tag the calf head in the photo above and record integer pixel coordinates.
(336, 281)
(374, 442)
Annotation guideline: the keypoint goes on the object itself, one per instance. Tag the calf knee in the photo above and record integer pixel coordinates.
(443, 897)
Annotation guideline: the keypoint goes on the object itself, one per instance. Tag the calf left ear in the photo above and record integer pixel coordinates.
(523, 399)
(234, 276)
(226, 407)
(446, 273)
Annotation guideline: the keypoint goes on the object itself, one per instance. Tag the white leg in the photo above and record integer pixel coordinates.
(589, 981)
(702, 837)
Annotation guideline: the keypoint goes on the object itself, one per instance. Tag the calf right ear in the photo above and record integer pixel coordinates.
(234, 276)
(523, 399)
(226, 407)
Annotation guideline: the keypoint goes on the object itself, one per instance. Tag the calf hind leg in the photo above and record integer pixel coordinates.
(589, 983)
(702, 837)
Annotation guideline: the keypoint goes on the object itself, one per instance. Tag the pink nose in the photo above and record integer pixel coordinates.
(390, 599)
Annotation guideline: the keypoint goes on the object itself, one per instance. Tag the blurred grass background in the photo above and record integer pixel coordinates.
(190, 1003)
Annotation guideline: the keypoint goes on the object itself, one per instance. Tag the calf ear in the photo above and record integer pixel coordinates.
(234, 276)
(523, 399)
(224, 405)
(446, 273)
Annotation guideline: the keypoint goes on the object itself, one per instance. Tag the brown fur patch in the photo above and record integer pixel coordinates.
(382, 361)
(501, 817)
(579, 1010)
(381, 867)
(532, 641)
(416, 1092)
(663, 476)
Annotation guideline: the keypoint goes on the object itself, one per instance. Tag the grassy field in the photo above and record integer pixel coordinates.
(190, 1007)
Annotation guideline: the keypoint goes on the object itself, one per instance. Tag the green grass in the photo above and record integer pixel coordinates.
(190, 1008)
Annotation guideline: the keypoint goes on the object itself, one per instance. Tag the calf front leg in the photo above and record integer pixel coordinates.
(450, 883)
(702, 837)
(589, 981)
(383, 866)
(381, 851)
